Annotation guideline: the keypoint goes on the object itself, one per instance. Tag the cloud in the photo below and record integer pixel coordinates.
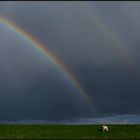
(78, 35)
(109, 119)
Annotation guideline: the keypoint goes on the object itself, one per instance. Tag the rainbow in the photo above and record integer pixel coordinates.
(112, 36)
(11, 26)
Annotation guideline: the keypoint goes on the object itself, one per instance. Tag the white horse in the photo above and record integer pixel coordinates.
(105, 128)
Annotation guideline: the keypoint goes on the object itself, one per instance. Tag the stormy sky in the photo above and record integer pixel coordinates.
(97, 41)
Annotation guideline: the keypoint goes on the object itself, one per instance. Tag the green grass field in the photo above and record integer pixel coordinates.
(68, 132)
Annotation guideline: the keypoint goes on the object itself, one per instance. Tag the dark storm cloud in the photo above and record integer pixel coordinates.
(113, 89)
(32, 88)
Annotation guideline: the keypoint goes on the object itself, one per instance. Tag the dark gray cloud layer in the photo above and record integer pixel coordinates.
(98, 42)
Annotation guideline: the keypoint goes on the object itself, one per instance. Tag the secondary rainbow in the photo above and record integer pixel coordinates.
(10, 25)
(114, 38)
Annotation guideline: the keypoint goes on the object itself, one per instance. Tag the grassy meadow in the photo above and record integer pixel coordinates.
(68, 132)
